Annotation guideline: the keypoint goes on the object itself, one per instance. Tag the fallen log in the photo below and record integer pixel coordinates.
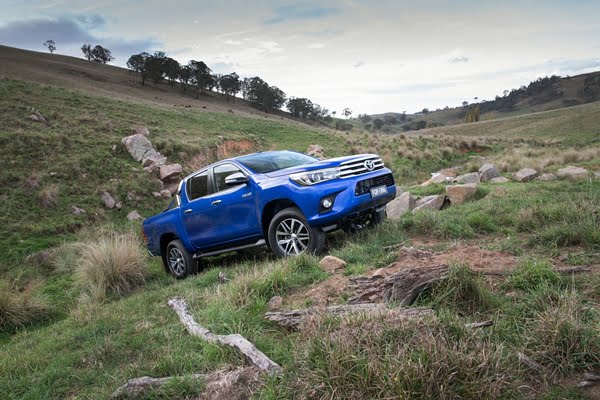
(253, 356)
(239, 384)
(402, 287)
(293, 318)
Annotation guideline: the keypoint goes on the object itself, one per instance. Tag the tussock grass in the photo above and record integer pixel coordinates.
(21, 306)
(110, 265)
(49, 196)
(531, 275)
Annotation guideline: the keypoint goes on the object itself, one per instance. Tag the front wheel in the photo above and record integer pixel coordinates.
(179, 261)
(378, 217)
(291, 235)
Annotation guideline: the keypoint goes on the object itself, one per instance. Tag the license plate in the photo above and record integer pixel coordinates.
(378, 191)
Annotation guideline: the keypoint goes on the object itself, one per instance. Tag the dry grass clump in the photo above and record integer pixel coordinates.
(393, 357)
(20, 306)
(110, 265)
(49, 196)
(541, 158)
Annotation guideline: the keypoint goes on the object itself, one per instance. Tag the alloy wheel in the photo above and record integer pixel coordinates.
(292, 236)
(176, 261)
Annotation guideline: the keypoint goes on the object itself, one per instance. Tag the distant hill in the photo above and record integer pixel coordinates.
(543, 94)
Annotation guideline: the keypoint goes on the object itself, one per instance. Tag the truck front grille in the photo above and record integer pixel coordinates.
(360, 166)
(364, 186)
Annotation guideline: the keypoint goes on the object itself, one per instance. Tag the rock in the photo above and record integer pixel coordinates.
(525, 175)
(315, 150)
(118, 206)
(449, 172)
(436, 178)
(381, 272)
(547, 177)
(400, 205)
(150, 169)
(332, 264)
(77, 211)
(137, 145)
(170, 171)
(488, 172)
(433, 202)
(157, 194)
(459, 194)
(140, 130)
(173, 188)
(499, 179)
(38, 117)
(134, 216)
(399, 190)
(473, 177)
(153, 157)
(275, 303)
(573, 173)
(597, 175)
(108, 200)
(165, 194)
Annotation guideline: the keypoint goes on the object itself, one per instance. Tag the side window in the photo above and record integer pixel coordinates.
(221, 172)
(197, 186)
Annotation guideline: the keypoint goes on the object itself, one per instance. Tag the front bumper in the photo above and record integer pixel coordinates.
(348, 200)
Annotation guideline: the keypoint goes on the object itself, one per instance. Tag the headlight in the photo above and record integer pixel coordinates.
(311, 177)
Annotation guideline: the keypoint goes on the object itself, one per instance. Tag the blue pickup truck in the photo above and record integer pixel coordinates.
(285, 199)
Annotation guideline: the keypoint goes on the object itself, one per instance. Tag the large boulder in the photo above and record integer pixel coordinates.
(433, 202)
(315, 150)
(400, 205)
(108, 200)
(437, 178)
(499, 179)
(153, 157)
(488, 172)
(472, 177)
(547, 177)
(332, 264)
(526, 174)
(170, 171)
(459, 194)
(573, 173)
(137, 145)
(140, 130)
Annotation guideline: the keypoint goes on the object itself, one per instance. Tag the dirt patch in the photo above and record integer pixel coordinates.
(323, 293)
(227, 149)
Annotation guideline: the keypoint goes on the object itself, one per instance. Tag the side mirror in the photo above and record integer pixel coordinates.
(236, 179)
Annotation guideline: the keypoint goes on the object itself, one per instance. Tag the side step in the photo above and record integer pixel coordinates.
(198, 255)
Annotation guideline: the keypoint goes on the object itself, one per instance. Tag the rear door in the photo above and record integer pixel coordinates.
(233, 207)
(196, 214)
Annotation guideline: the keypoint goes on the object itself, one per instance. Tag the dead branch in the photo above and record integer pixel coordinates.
(483, 324)
(293, 318)
(239, 383)
(251, 353)
(402, 287)
(529, 362)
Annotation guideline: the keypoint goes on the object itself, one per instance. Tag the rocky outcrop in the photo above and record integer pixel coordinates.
(400, 205)
(573, 173)
(38, 117)
(488, 172)
(433, 202)
(137, 145)
(275, 303)
(526, 175)
(108, 200)
(315, 150)
(332, 264)
(472, 177)
(459, 194)
(153, 157)
(169, 171)
(547, 177)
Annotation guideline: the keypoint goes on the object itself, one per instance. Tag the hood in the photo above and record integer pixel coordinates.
(328, 163)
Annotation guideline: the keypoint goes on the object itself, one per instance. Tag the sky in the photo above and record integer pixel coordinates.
(370, 56)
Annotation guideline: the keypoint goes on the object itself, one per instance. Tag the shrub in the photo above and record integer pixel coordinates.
(532, 275)
(111, 265)
(20, 306)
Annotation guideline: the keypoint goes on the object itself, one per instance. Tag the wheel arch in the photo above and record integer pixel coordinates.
(165, 239)
(271, 209)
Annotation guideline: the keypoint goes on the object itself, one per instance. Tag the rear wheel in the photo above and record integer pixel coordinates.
(179, 261)
(291, 235)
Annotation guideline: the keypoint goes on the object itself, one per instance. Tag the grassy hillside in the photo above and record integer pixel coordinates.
(59, 341)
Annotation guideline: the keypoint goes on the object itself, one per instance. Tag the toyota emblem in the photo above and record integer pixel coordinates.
(369, 165)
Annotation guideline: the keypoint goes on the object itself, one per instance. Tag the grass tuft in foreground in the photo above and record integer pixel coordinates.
(21, 306)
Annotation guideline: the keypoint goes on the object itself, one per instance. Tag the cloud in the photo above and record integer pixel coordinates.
(316, 45)
(358, 64)
(299, 12)
(459, 59)
(69, 33)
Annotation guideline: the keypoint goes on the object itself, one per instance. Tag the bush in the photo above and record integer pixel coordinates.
(532, 275)
(20, 306)
(111, 265)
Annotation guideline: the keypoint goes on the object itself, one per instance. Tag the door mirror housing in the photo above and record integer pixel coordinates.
(236, 179)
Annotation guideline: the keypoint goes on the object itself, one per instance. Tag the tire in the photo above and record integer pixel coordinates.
(179, 261)
(378, 217)
(290, 234)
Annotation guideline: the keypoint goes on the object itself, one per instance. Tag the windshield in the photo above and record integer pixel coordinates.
(273, 161)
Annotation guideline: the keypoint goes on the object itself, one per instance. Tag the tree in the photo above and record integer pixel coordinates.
(378, 124)
(230, 84)
(87, 51)
(263, 96)
(101, 54)
(139, 63)
(202, 77)
(50, 45)
(390, 120)
(465, 103)
(156, 65)
(425, 111)
(185, 76)
(347, 112)
(172, 70)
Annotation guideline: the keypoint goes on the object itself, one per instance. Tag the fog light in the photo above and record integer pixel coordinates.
(326, 203)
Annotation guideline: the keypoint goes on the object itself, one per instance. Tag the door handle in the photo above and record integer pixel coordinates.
(188, 211)
(215, 203)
